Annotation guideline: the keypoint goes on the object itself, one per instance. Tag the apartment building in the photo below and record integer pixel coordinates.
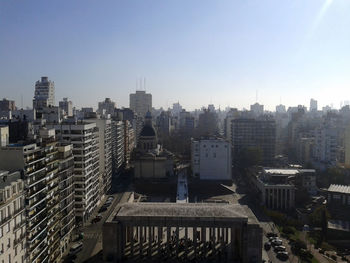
(66, 188)
(118, 146)
(31, 160)
(256, 133)
(84, 138)
(12, 218)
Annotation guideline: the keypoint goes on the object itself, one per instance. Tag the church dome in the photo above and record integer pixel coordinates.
(147, 131)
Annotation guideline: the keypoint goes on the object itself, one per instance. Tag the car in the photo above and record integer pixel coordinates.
(75, 248)
(110, 197)
(280, 248)
(267, 245)
(271, 234)
(102, 209)
(272, 238)
(276, 242)
(282, 255)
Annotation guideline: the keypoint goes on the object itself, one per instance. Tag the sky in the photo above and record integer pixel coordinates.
(196, 52)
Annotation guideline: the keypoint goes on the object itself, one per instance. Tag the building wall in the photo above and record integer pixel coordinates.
(4, 136)
(141, 102)
(13, 222)
(211, 159)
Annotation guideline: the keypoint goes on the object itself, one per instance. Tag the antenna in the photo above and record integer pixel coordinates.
(256, 96)
(144, 83)
(136, 84)
(22, 101)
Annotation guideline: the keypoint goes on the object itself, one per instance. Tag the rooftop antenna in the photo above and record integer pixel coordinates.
(256, 96)
(280, 99)
(137, 83)
(144, 83)
(22, 101)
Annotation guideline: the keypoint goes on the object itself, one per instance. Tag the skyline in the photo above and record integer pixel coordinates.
(218, 52)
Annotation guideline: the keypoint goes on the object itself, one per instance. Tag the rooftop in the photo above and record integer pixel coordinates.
(188, 210)
(339, 188)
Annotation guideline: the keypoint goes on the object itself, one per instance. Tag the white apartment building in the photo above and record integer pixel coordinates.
(106, 107)
(4, 136)
(325, 147)
(211, 159)
(67, 106)
(105, 153)
(141, 102)
(44, 95)
(118, 145)
(85, 140)
(12, 218)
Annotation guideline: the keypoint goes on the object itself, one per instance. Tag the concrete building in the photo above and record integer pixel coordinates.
(85, 140)
(158, 231)
(325, 147)
(4, 136)
(338, 196)
(118, 146)
(129, 141)
(44, 95)
(257, 133)
(274, 187)
(106, 107)
(257, 109)
(7, 105)
(347, 146)
(66, 187)
(141, 102)
(313, 105)
(305, 150)
(67, 106)
(280, 109)
(13, 218)
(105, 153)
(230, 116)
(211, 158)
(31, 159)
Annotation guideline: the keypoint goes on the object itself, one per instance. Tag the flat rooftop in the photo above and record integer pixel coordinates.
(186, 210)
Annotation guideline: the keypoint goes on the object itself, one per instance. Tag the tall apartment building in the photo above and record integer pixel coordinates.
(325, 146)
(313, 105)
(118, 146)
(85, 140)
(44, 95)
(66, 187)
(30, 159)
(106, 107)
(49, 145)
(257, 109)
(211, 158)
(7, 105)
(12, 218)
(140, 102)
(129, 141)
(67, 106)
(105, 153)
(256, 133)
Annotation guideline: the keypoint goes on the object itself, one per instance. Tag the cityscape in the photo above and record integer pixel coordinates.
(229, 147)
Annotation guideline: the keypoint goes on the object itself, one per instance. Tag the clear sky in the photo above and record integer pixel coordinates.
(192, 51)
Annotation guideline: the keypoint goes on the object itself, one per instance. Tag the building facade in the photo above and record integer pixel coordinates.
(7, 105)
(141, 102)
(13, 218)
(67, 106)
(44, 95)
(211, 159)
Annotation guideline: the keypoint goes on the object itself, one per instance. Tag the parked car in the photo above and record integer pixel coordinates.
(280, 248)
(75, 248)
(271, 234)
(282, 255)
(267, 245)
(102, 209)
(276, 242)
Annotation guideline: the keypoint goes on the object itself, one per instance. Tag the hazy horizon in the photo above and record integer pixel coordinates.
(194, 52)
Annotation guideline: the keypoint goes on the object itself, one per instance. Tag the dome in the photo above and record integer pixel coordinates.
(147, 131)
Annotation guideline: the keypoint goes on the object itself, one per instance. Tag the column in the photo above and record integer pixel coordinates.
(233, 242)
(141, 241)
(149, 241)
(160, 237)
(186, 240)
(168, 238)
(194, 229)
(177, 241)
(132, 241)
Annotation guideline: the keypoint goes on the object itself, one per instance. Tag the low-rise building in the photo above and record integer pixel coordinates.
(338, 195)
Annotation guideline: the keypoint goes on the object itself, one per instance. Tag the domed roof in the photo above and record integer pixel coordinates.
(147, 131)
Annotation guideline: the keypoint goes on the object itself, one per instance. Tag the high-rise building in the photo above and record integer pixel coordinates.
(66, 186)
(30, 159)
(129, 141)
(257, 109)
(313, 105)
(7, 105)
(106, 107)
(105, 153)
(325, 147)
(118, 146)
(13, 218)
(257, 133)
(281, 109)
(85, 140)
(44, 95)
(67, 106)
(141, 102)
